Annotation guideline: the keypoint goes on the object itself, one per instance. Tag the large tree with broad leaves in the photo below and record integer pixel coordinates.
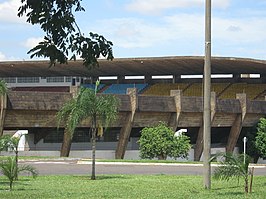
(63, 39)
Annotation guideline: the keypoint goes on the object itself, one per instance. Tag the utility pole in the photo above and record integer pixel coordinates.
(207, 99)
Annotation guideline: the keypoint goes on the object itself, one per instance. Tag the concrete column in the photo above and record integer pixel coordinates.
(176, 78)
(3, 106)
(120, 79)
(126, 129)
(174, 119)
(199, 143)
(147, 79)
(237, 125)
(93, 80)
(73, 90)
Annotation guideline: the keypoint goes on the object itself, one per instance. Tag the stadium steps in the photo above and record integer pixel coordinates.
(195, 89)
(103, 88)
(163, 89)
(229, 84)
(261, 96)
(122, 88)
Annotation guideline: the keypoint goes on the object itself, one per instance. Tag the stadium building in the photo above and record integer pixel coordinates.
(167, 89)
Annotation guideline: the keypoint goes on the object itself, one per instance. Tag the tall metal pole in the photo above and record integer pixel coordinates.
(207, 98)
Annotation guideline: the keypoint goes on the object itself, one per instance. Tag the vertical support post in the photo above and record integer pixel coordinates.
(245, 142)
(199, 143)
(174, 119)
(126, 129)
(237, 125)
(207, 98)
(3, 106)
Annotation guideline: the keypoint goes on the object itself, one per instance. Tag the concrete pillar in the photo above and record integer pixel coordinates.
(174, 118)
(199, 143)
(73, 90)
(126, 129)
(237, 125)
(236, 77)
(147, 79)
(93, 79)
(3, 106)
(120, 79)
(176, 78)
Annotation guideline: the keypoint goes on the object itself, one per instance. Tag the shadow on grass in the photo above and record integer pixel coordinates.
(231, 193)
(103, 177)
(225, 188)
(23, 182)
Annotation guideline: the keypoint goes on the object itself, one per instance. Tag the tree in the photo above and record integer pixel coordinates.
(160, 142)
(251, 148)
(3, 92)
(10, 169)
(63, 37)
(3, 87)
(232, 165)
(260, 140)
(100, 109)
(7, 142)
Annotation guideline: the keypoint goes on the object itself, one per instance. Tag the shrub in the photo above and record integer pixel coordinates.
(160, 142)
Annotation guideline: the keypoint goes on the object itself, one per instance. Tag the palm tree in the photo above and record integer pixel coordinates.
(8, 142)
(233, 165)
(10, 169)
(100, 109)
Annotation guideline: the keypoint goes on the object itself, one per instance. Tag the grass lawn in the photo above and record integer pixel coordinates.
(128, 186)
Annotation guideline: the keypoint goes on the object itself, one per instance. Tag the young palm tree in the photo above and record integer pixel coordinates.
(7, 142)
(100, 109)
(233, 166)
(10, 169)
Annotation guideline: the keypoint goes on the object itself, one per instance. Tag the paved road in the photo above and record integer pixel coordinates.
(75, 167)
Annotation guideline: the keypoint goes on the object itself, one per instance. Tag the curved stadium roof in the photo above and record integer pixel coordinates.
(179, 65)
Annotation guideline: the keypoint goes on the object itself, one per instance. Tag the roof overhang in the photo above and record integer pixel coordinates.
(179, 65)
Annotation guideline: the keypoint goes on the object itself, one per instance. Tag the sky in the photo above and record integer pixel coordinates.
(151, 28)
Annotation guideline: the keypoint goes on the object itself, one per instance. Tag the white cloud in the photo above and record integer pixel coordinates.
(133, 33)
(157, 6)
(136, 33)
(32, 42)
(184, 33)
(9, 10)
(2, 57)
(244, 30)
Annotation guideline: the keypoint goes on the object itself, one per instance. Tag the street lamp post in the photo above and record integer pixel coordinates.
(245, 146)
(207, 98)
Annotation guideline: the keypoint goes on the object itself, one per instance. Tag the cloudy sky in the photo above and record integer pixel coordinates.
(146, 28)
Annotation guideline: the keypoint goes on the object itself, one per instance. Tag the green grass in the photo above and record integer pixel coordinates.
(128, 186)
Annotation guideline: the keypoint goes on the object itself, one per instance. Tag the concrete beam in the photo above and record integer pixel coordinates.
(199, 143)
(3, 106)
(174, 119)
(127, 127)
(237, 125)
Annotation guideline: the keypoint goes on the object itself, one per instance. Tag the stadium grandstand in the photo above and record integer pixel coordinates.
(151, 90)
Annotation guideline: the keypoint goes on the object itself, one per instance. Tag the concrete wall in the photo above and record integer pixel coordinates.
(107, 154)
(41, 146)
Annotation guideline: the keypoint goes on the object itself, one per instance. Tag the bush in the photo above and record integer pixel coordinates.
(260, 140)
(160, 142)
(11, 170)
